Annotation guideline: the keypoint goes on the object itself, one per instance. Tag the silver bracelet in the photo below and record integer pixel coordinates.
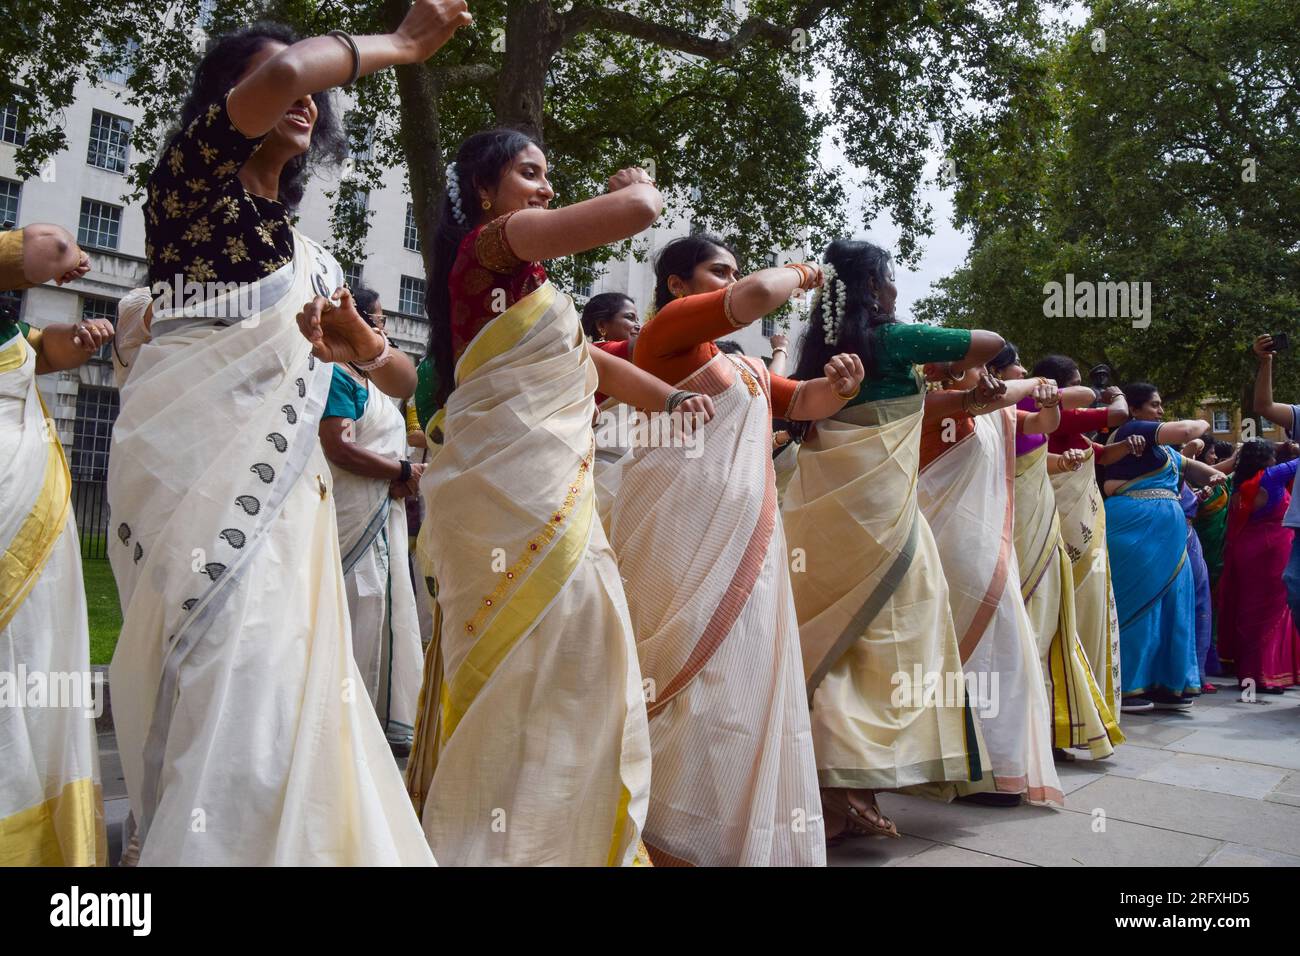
(356, 54)
(676, 398)
(380, 360)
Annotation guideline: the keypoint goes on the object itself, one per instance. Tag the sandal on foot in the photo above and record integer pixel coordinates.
(857, 823)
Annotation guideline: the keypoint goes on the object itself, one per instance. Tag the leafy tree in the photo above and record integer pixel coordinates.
(715, 100)
(1158, 143)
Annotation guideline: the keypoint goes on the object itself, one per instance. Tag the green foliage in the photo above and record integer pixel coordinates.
(1171, 156)
(719, 105)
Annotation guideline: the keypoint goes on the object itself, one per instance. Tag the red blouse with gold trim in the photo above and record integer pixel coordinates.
(486, 279)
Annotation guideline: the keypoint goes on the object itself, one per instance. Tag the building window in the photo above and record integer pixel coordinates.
(769, 326)
(410, 296)
(360, 137)
(121, 72)
(93, 307)
(93, 432)
(11, 127)
(100, 224)
(110, 141)
(1222, 421)
(1268, 426)
(352, 274)
(412, 237)
(9, 193)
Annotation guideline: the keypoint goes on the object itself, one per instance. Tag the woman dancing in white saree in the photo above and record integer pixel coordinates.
(700, 544)
(531, 745)
(873, 606)
(51, 807)
(245, 732)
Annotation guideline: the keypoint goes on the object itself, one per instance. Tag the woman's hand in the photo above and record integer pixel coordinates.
(338, 333)
(77, 271)
(779, 340)
(1215, 479)
(91, 334)
(1263, 347)
(1072, 459)
(696, 410)
(845, 374)
(987, 389)
(1046, 394)
(627, 177)
(1137, 445)
(427, 27)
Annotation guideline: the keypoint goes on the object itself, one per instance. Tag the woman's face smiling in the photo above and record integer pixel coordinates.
(1153, 410)
(523, 185)
(622, 325)
(291, 135)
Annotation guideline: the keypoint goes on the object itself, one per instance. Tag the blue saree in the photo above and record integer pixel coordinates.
(1155, 595)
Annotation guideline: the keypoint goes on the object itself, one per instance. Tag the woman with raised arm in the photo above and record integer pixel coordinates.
(363, 436)
(1083, 517)
(236, 697)
(531, 743)
(51, 808)
(1081, 715)
(872, 603)
(1256, 631)
(700, 547)
(1146, 532)
(968, 441)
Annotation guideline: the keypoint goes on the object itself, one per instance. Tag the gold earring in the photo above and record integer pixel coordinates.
(486, 205)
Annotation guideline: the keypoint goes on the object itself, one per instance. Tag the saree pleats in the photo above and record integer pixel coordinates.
(1083, 529)
(1146, 532)
(246, 734)
(701, 549)
(51, 807)
(535, 750)
(872, 604)
(966, 496)
(381, 598)
(1081, 716)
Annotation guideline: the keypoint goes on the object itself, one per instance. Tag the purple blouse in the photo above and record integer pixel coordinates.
(1027, 443)
(1275, 481)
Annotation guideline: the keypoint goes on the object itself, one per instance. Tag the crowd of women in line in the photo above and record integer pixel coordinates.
(646, 656)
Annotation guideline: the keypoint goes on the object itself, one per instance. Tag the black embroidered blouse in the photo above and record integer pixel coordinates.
(200, 221)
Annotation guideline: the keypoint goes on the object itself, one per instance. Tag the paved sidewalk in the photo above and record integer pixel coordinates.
(1218, 785)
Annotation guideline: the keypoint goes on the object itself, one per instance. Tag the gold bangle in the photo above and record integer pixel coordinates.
(852, 395)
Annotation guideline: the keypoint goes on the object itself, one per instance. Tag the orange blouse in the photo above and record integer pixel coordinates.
(933, 426)
(679, 341)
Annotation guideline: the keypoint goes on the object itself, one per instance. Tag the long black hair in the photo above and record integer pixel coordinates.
(365, 298)
(224, 62)
(680, 257)
(1059, 368)
(864, 269)
(1255, 456)
(480, 162)
(601, 308)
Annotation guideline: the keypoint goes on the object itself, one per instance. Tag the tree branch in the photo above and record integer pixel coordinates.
(464, 74)
(581, 19)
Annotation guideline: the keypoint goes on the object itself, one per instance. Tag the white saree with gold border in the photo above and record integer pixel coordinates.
(966, 494)
(246, 735)
(51, 807)
(1080, 714)
(381, 598)
(874, 620)
(1083, 528)
(531, 742)
(702, 554)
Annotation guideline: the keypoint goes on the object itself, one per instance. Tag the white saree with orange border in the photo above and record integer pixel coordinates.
(702, 553)
(966, 494)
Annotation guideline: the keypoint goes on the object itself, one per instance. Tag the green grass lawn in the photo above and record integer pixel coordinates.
(102, 607)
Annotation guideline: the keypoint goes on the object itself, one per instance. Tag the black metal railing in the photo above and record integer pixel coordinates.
(90, 505)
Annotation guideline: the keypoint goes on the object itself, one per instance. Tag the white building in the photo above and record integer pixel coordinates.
(82, 188)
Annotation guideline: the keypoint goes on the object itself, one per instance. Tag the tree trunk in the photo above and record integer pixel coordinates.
(421, 136)
(532, 38)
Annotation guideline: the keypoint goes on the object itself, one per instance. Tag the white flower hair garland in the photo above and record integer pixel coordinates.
(453, 192)
(830, 299)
